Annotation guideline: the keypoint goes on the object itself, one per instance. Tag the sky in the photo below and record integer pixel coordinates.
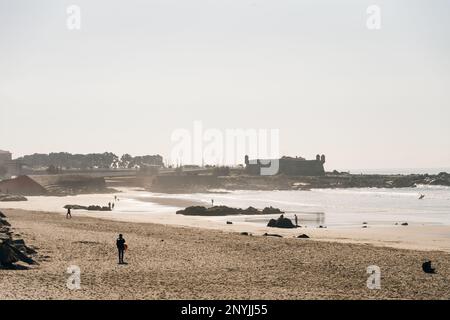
(138, 71)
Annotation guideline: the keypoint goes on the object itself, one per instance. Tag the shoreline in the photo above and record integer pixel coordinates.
(161, 208)
(174, 262)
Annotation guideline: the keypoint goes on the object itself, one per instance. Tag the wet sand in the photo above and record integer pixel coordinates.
(413, 236)
(168, 262)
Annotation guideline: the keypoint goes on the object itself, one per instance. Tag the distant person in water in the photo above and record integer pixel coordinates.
(296, 220)
(212, 202)
(109, 205)
(68, 214)
(120, 243)
(421, 196)
(115, 197)
(113, 206)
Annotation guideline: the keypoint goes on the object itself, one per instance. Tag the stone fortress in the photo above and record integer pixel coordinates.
(289, 166)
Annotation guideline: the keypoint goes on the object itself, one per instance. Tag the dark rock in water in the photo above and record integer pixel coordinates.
(229, 222)
(224, 211)
(2, 215)
(303, 236)
(404, 223)
(194, 210)
(426, 267)
(75, 207)
(281, 222)
(244, 233)
(89, 208)
(364, 223)
(271, 210)
(98, 208)
(364, 227)
(272, 235)
(272, 223)
(321, 227)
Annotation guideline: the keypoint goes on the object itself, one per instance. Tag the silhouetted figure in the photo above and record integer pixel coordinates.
(68, 214)
(426, 266)
(115, 198)
(120, 243)
(212, 202)
(421, 196)
(109, 205)
(296, 220)
(113, 206)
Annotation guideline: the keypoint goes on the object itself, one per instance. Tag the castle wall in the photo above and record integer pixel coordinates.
(291, 167)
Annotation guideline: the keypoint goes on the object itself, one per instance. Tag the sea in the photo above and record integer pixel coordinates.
(322, 207)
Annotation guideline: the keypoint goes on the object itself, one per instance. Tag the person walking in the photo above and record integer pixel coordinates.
(68, 214)
(120, 243)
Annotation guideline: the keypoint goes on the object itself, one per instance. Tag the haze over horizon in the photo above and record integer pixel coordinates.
(137, 71)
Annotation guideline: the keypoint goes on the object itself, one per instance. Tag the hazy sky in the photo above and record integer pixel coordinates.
(138, 70)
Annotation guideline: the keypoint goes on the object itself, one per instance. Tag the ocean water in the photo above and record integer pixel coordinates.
(335, 207)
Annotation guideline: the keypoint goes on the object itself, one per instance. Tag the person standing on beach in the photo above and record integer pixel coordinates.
(120, 243)
(68, 214)
(296, 220)
(212, 202)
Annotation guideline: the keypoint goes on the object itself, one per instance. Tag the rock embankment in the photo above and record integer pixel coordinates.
(281, 222)
(12, 249)
(10, 197)
(226, 211)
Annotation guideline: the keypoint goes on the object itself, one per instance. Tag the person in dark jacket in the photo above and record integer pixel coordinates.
(120, 243)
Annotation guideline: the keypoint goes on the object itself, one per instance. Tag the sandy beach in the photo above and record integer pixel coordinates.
(168, 262)
(142, 207)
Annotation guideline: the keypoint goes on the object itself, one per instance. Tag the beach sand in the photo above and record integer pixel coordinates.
(415, 236)
(170, 262)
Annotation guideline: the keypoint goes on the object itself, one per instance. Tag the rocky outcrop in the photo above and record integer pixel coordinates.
(272, 235)
(225, 211)
(10, 197)
(12, 250)
(281, 222)
(331, 180)
(89, 208)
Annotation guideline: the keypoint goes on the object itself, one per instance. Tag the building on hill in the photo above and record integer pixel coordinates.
(8, 166)
(288, 165)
